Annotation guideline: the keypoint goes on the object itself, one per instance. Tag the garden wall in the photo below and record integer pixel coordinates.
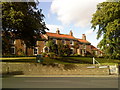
(54, 69)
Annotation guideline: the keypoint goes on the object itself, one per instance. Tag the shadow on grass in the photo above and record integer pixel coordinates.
(72, 60)
(23, 60)
(10, 74)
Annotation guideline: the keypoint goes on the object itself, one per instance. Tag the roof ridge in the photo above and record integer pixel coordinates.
(61, 34)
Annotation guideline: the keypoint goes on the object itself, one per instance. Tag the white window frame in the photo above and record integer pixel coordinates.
(37, 42)
(73, 50)
(34, 51)
(44, 49)
(55, 41)
(96, 52)
(13, 50)
(84, 46)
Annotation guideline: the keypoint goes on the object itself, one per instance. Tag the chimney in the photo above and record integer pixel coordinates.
(71, 33)
(83, 36)
(58, 32)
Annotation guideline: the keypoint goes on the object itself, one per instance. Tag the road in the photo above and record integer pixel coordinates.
(60, 82)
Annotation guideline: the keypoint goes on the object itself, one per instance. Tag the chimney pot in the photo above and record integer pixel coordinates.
(83, 36)
(71, 33)
(58, 31)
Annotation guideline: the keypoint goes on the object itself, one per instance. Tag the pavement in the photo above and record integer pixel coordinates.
(62, 75)
(61, 81)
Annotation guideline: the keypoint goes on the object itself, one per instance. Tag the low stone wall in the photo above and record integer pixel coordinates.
(54, 69)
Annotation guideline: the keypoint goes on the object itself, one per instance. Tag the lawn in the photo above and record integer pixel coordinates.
(18, 59)
(62, 60)
(80, 60)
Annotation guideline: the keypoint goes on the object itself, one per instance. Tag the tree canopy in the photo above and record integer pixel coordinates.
(106, 20)
(24, 20)
(59, 49)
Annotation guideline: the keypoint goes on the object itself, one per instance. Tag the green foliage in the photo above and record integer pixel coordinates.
(51, 55)
(66, 50)
(24, 20)
(52, 46)
(59, 49)
(76, 45)
(106, 20)
(63, 50)
(5, 45)
(44, 54)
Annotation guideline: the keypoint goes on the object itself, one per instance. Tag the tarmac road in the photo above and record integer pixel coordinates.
(60, 82)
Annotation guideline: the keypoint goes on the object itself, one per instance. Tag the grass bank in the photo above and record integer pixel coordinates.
(62, 60)
(81, 60)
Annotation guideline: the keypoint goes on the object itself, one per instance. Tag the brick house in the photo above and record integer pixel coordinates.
(83, 46)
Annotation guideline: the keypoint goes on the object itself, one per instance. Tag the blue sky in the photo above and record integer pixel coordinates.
(69, 15)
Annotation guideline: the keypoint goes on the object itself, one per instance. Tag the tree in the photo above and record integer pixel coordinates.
(106, 20)
(23, 20)
(66, 50)
(52, 46)
(59, 49)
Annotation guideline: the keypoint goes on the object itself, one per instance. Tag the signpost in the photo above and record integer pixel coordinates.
(95, 61)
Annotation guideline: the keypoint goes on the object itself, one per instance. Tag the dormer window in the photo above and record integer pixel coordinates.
(71, 42)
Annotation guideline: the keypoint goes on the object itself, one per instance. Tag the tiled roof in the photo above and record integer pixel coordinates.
(60, 35)
(42, 36)
(93, 48)
(83, 41)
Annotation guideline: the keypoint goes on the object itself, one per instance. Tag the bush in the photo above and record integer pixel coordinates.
(51, 55)
(76, 55)
(44, 54)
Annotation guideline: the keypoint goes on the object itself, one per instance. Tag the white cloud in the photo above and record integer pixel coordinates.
(48, 15)
(44, 0)
(77, 12)
(89, 32)
(53, 28)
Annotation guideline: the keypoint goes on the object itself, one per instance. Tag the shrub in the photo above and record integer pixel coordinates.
(44, 54)
(52, 55)
(76, 55)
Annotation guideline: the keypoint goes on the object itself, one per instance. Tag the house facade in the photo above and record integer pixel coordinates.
(77, 46)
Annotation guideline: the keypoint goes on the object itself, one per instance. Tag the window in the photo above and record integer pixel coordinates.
(12, 50)
(71, 42)
(35, 51)
(84, 46)
(63, 41)
(96, 53)
(54, 41)
(71, 51)
(45, 49)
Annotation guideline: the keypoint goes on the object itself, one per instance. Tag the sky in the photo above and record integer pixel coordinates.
(72, 15)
